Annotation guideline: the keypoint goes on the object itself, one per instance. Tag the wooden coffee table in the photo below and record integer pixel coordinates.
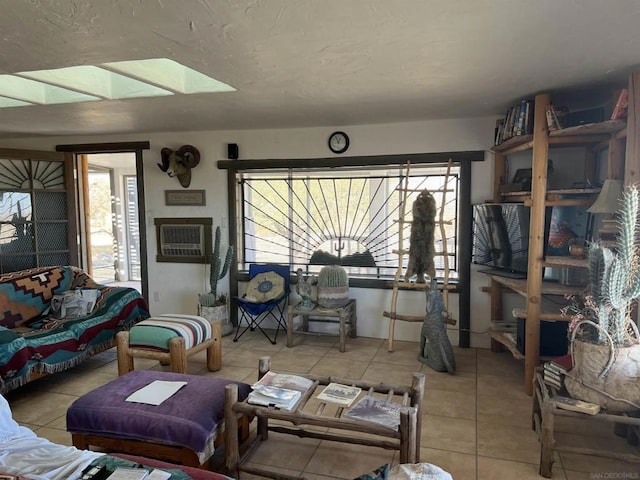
(341, 429)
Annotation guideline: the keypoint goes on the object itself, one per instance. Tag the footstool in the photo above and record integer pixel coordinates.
(170, 339)
(185, 428)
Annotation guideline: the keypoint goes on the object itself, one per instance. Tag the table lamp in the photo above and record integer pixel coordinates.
(608, 203)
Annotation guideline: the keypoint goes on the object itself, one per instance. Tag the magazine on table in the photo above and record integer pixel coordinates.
(340, 394)
(372, 409)
(279, 390)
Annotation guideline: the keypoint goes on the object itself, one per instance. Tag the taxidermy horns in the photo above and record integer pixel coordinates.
(180, 162)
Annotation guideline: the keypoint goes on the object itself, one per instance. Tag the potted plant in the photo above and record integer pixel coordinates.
(333, 287)
(213, 305)
(605, 343)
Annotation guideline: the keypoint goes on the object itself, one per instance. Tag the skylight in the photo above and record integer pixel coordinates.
(107, 81)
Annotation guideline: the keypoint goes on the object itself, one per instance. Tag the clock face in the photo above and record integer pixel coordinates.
(338, 142)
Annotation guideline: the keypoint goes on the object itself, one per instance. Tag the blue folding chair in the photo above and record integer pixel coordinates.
(254, 311)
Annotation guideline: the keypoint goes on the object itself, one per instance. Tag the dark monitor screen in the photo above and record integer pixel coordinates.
(501, 236)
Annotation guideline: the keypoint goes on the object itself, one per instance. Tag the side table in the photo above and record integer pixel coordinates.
(338, 428)
(543, 417)
(346, 318)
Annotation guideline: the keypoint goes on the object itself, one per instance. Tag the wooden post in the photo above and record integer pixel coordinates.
(536, 239)
(264, 365)
(178, 355)
(417, 395)
(499, 173)
(125, 360)
(214, 351)
(547, 443)
(632, 157)
(405, 434)
(231, 448)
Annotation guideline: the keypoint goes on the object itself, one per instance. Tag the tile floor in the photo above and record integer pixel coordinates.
(476, 424)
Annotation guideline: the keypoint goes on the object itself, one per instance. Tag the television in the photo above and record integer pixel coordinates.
(501, 237)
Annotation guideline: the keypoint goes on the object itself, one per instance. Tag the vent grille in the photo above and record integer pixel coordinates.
(182, 240)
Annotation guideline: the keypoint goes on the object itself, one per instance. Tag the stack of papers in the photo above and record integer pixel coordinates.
(279, 390)
(156, 392)
(340, 394)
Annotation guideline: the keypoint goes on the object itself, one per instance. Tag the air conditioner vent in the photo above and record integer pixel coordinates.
(183, 240)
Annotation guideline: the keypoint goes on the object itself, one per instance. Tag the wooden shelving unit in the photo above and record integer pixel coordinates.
(610, 134)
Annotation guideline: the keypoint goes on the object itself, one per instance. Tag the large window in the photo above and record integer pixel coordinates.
(308, 218)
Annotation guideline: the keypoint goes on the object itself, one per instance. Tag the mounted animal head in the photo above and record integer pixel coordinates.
(180, 162)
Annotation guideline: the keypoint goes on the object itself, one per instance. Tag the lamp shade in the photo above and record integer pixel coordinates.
(608, 200)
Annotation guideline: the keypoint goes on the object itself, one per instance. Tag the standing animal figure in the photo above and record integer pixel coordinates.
(421, 247)
(435, 347)
(179, 163)
(303, 288)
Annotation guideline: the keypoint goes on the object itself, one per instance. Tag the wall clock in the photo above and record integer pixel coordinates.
(338, 142)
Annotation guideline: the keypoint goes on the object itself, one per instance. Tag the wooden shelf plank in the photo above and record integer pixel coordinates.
(514, 144)
(504, 339)
(558, 261)
(591, 129)
(519, 285)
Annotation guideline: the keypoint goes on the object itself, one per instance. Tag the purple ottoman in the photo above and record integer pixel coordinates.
(184, 428)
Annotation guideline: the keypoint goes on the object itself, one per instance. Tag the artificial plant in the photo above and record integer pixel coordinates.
(614, 276)
(218, 271)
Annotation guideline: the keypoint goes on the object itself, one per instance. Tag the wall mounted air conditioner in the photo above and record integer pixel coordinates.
(183, 240)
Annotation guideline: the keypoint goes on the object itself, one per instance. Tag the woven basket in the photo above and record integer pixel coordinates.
(604, 374)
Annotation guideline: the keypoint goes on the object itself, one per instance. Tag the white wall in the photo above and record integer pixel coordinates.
(174, 287)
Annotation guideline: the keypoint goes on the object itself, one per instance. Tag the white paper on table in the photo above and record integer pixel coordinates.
(156, 392)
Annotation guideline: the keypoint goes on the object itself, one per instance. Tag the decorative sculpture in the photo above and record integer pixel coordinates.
(304, 290)
(435, 347)
(179, 163)
(421, 247)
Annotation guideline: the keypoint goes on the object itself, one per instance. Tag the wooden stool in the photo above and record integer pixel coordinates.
(170, 339)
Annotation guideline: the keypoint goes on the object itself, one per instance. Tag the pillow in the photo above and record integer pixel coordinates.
(264, 287)
(26, 294)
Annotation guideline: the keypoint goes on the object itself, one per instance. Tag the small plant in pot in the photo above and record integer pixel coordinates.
(212, 305)
(605, 342)
(333, 287)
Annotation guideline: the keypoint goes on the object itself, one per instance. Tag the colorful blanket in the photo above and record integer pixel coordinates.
(31, 342)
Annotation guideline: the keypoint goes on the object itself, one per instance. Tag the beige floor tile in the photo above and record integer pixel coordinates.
(41, 409)
(459, 382)
(518, 444)
(335, 366)
(239, 374)
(344, 460)
(59, 423)
(285, 451)
(81, 384)
(503, 409)
(449, 404)
(582, 426)
(361, 353)
(300, 346)
(388, 373)
(291, 361)
(55, 435)
(461, 466)
(448, 433)
(501, 386)
(245, 357)
(274, 469)
(497, 469)
(594, 464)
(399, 357)
(502, 364)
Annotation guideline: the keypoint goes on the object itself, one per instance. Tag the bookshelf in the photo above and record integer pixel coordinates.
(621, 139)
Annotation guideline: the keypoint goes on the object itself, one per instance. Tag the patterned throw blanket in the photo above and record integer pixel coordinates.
(31, 343)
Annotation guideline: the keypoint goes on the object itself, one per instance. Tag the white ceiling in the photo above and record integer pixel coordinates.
(299, 63)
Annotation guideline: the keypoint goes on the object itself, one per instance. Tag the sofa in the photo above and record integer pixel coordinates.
(32, 343)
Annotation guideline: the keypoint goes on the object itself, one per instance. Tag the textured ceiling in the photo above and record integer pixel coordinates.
(301, 63)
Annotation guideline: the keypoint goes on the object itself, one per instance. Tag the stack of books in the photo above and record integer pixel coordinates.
(279, 390)
(556, 369)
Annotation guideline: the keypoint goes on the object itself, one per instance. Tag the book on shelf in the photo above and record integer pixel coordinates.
(340, 394)
(279, 390)
(552, 118)
(621, 106)
(567, 403)
(375, 410)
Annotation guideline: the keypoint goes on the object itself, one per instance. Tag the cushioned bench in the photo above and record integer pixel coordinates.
(185, 428)
(170, 339)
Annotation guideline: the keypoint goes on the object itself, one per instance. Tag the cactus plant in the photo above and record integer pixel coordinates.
(333, 287)
(614, 275)
(218, 271)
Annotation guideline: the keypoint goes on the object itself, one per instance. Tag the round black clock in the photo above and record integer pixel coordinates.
(338, 142)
